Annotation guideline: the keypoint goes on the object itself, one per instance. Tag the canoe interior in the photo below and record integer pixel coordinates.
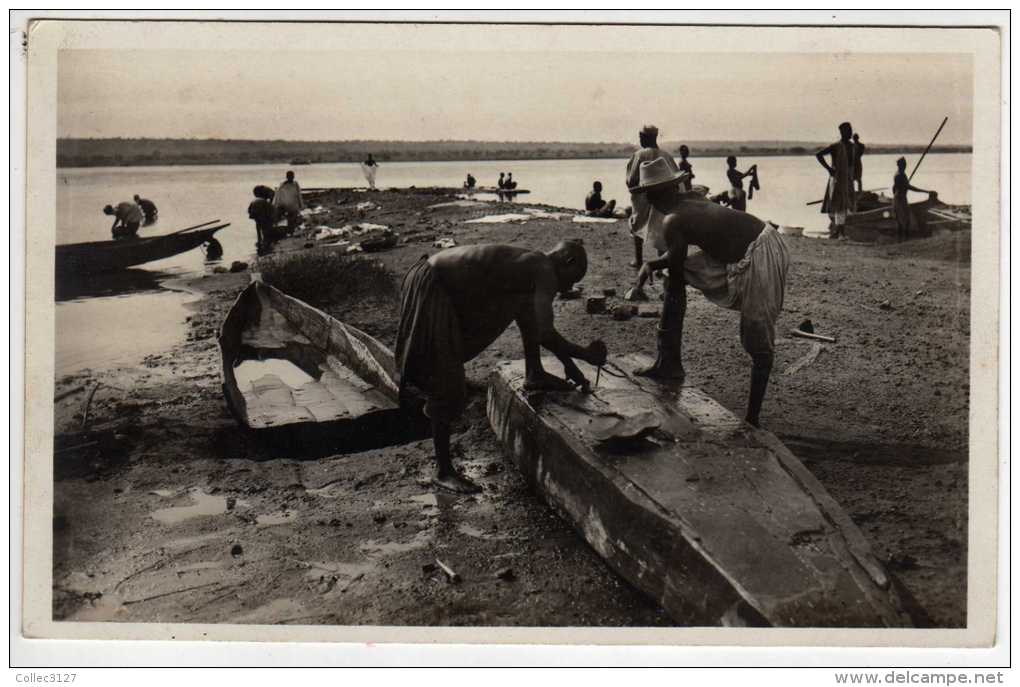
(292, 372)
(106, 256)
(715, 520)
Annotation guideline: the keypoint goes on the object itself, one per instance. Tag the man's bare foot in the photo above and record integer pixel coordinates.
(451, 481)
(544, 381)
(657, 371)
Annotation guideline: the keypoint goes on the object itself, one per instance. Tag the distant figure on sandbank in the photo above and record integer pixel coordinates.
(288, 203)
(502, 180)
(369, 167)
(901, 206)
(643, 220)
(149, 209)
(685, 166)
(510, 183)
(127, 218)
(470, 182)
(839, 193)
(594, 206)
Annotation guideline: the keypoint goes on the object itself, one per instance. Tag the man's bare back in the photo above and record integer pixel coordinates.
(491, 285)
(722, 233)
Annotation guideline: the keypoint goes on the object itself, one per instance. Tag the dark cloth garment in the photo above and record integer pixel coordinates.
(263, 212)
(754, 185)
(148, 208)
(858, 167)
(430, 345)
(593, 201)
(901, 205)
(685, 166)
(839, 189)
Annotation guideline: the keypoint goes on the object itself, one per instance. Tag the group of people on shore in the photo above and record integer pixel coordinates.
(454, 304)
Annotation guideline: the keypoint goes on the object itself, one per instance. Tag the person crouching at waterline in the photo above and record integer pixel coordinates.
(742, 266)
(127, 217)
(457, 302)
(594, 206)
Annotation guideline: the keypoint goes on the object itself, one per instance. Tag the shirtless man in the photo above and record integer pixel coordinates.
(742, 266)
(456, 303)
(642, 219)
(127, 217)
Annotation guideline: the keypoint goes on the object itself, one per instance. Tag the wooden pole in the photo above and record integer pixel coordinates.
(203, 224)
(927, 149)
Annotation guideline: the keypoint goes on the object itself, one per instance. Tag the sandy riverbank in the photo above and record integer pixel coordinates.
(880, 417)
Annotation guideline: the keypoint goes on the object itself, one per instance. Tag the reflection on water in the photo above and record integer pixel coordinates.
(125, 282)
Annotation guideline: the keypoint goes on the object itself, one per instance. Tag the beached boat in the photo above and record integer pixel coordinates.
(875, 220)
(715, 520)
(108, 256)
(292, 372)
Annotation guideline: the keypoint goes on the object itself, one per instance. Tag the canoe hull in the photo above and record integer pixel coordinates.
(723, 527)
(355, 411)
(97, 257)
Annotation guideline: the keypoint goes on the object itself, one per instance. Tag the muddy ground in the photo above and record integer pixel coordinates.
(176, 514)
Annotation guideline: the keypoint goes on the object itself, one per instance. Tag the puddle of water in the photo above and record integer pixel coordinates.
(275, 611)
(472, 531)
(191, 542)
(427, 500)
(289, 373)
(204, 505)
(374, 547)
(271, 519)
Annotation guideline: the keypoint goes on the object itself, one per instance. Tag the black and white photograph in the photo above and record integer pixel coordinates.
(469, 327)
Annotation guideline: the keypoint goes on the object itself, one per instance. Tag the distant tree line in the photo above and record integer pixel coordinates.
(112, 152)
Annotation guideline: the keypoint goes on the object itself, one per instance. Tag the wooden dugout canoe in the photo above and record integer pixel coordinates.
(96, 257)
(715, 520)
(293, 373)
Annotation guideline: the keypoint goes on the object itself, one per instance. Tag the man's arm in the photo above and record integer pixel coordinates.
(548, 337)
(820, 156)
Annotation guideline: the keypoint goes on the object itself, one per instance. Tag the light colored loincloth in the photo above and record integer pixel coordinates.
(755, 285)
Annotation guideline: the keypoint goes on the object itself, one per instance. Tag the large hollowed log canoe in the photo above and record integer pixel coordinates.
(715, 520)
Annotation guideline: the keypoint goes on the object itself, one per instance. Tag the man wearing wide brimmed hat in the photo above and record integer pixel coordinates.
(742, 266)
(643, 219)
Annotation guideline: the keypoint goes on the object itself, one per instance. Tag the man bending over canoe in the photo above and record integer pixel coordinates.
(742, 266)
(127, 217)
(456, 303)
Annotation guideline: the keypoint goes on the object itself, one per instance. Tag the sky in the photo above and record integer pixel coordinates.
(579, 96)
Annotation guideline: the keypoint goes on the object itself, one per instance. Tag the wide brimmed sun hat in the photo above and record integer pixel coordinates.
(655, 173)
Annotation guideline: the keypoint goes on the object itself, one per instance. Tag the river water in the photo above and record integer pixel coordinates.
(104, 330)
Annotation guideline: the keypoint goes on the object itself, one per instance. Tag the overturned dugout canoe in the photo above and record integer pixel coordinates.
(715, 520)
(304, 380)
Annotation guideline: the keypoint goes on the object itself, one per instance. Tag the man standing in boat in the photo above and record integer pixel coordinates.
(127, 219)
(742, 266)
(839, 192)
(901, 205)
(643, 219)
(288, 202)
(456, 303)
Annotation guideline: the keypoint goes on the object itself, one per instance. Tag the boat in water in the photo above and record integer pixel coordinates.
(295, 375)
(715, 520)
(94, 257)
